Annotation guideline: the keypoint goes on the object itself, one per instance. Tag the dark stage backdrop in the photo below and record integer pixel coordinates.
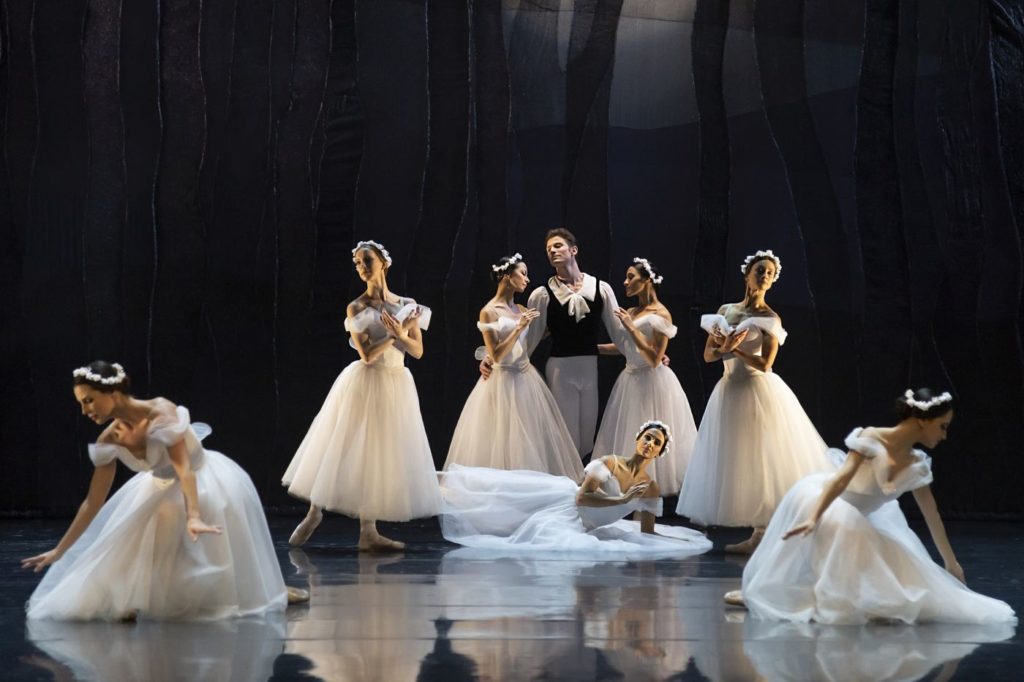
(182, 182)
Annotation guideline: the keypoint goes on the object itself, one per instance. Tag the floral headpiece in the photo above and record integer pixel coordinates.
(89, 375)
(654, 423)
(514, 259)
(763, 255)
(925, 405)
(379, 247)
(649, 269)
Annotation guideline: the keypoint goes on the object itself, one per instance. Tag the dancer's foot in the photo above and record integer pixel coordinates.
(306, 528)
(297, 596)
(129, 616)
(747, 546)
(375, 542)
(735, 598)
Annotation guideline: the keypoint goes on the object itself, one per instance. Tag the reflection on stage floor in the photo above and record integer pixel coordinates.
(437, 612)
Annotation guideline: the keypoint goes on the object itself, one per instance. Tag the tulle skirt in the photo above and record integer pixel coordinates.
(517, 511)
(640, 395)
(854, 568)
(511, 421)
(366, 453)
(754, 442)
(136, 556)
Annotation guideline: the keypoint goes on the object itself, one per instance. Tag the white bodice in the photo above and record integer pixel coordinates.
(647, 325)
(368, 321)
(163, 432)
(594, 517)
(516, 358)
(871, 486)
(757, 327)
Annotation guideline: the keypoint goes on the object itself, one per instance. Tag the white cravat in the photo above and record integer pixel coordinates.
(577, 301)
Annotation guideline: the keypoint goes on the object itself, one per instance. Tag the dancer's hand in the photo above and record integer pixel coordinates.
(41, 561)
(528, 316)
(637, 490)
(956, 570)
(486, 367)
(409, 321)
(131, 436)
(625, 319)
(665, 360)
(802, 529)
(196, 527)
(732, 341)
(392, 326)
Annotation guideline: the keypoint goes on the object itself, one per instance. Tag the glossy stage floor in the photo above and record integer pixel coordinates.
(437, 612)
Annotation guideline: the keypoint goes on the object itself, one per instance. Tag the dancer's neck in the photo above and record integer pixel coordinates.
(569, 274)
(377, 290)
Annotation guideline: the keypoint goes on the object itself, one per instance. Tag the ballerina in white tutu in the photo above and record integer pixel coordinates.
(839, 550)
(511, 420)
(516, 511)
(646, 388)
(366, 453)
(147, 552)
(755, 440)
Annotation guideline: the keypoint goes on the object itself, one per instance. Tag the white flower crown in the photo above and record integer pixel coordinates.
(925, 405)
(89, 375)
(762, 255)
(515, 259)
(654, 423)
(646, 265)
(380, 247)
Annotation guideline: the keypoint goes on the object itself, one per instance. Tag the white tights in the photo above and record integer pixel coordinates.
(573, 383)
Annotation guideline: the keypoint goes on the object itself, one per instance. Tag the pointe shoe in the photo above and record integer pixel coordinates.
(379, 543)
(735, 598)
(297, 596)
(747, 546)
(305, 529)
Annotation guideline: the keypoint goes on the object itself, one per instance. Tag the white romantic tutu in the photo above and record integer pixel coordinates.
(862, 562)
(366, 453)
(529, 511)
(136, 556)
(755, 441)
(511, 420)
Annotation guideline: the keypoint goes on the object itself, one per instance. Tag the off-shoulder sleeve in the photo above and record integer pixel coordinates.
(660, 324)
(710, 323)
(104, 453)
(767, 325)
(360, 321)
(922, 471)
(495, 326)
(598, 469)
(653, 505)
(868, 447)
(167, 430)
(423, 321)
(535, 332)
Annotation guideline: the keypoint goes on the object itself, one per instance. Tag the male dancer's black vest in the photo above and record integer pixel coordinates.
(570, 338)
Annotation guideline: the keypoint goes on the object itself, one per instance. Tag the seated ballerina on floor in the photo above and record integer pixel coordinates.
(838, 549)
(147, 551)
(534, 511)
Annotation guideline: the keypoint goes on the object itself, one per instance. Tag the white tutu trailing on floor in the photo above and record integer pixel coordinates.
(366, 453)
(511, 420)
(755, 440)
(136, 556)
(529, 511)
(862, 562)
(641, 393)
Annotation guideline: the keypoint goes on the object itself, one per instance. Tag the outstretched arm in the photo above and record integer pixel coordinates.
(930, 511)
(836, 485)
(99, 488)
(183, 468)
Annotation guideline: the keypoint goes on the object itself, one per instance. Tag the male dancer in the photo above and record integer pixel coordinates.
(581, 304)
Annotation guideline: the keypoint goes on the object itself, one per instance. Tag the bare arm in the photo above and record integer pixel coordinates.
(99, 488)
(368, 350)
(930, 511)
(407, 336)
(496, 350)
(183, 468)
(832, 490)
(591, 495)
(607, 349)
(764, 361)
(647, 519)
(651, 350)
